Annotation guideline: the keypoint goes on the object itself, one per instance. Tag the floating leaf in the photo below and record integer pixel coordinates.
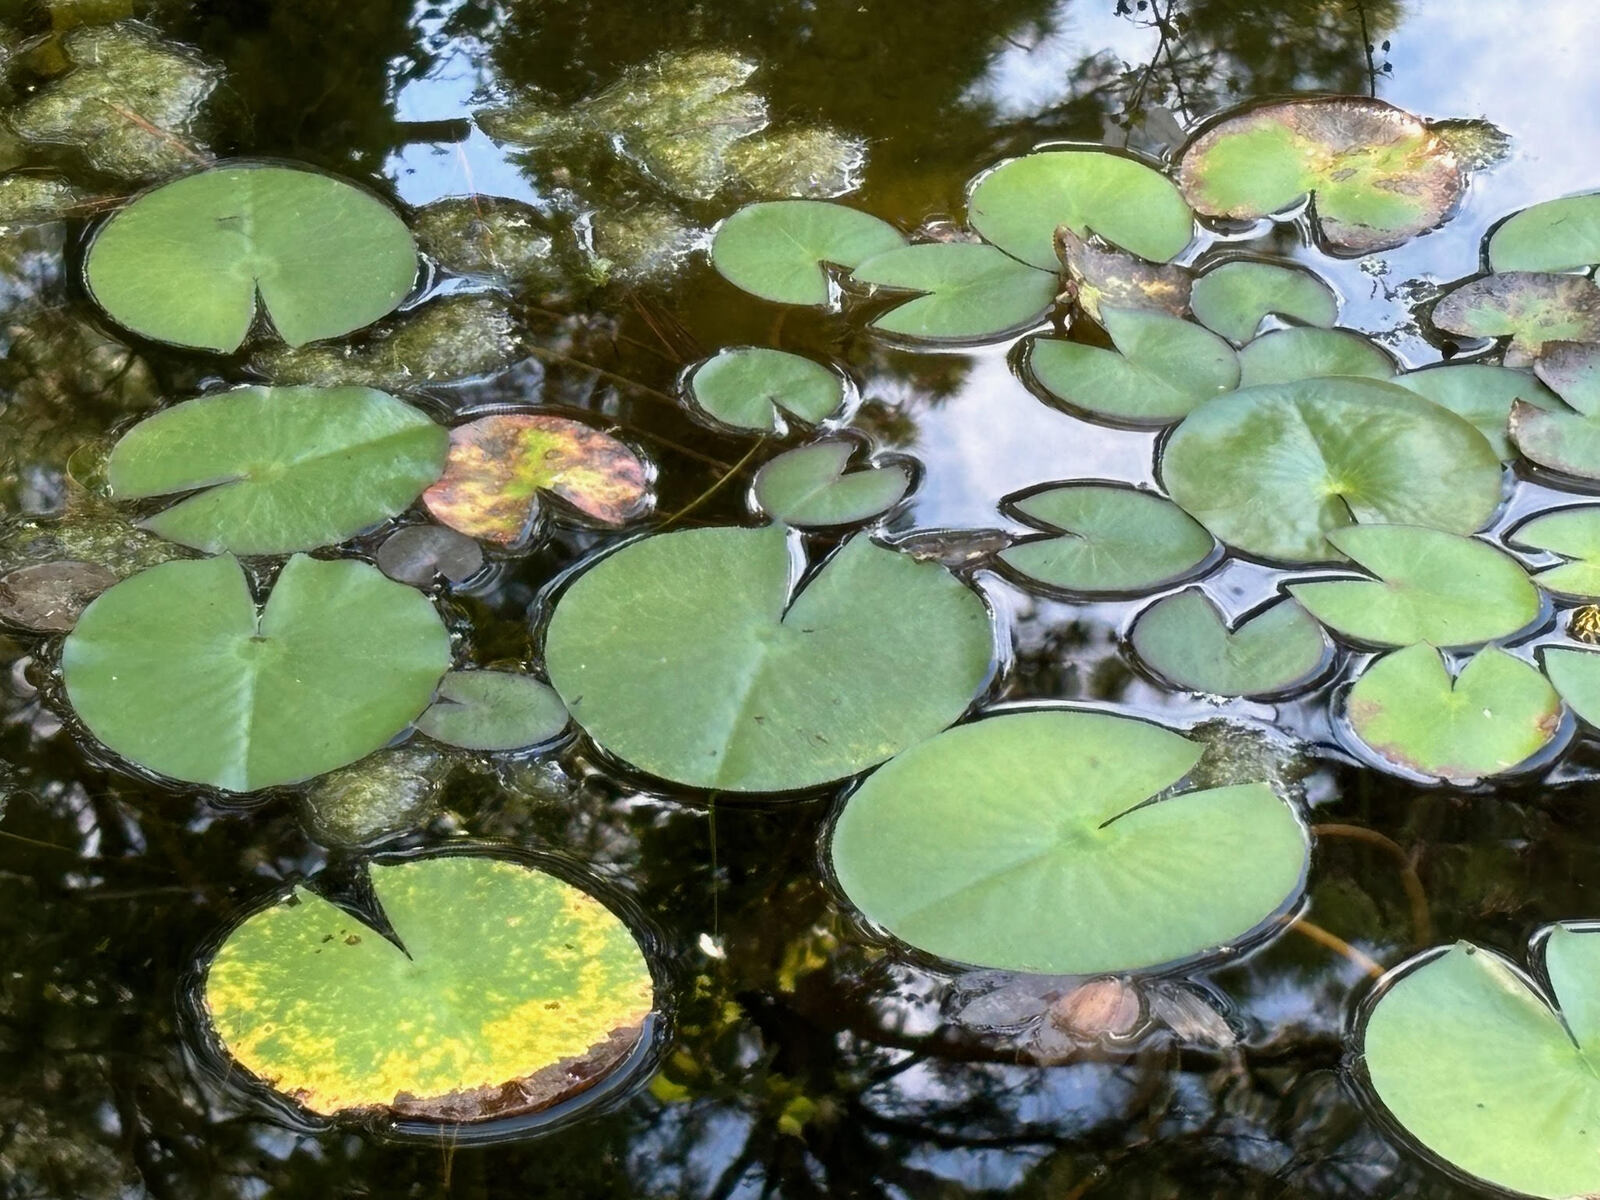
(186, 262)
(500, 465)
(177, 670)
(1574, 534)
(750, 687)
(48, 597)
(1557, 235)
(1494, 716)
(776, 249)
(969, 292)
(1551, 435)
(1285, 355)
(1482, 394)
(1104, 539)
(509, 991)
(1474, 1061)
(809, 487)
(1576, 675)
(1572, 370)
(1100, 275)
(1432, 587)
(1272, 469)
(1377, 175)
(419, 554)
(1019, 204)
(751, 387)
(1183, 639)
(493, 710)
(1233, 298)
(1530, 309)
(271, 470)
(1045, 814)
(1162, 369)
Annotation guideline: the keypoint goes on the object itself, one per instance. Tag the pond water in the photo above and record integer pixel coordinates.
(800, 1054)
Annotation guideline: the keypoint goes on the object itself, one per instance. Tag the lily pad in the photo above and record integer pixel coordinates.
(420, 554)
(1557, 235)
(810, 487)
(1285, 355)
(1162, 369)
(1184, 640)
(500, 465)
(1576, 675)
(752, 387)
(1574, 534)
(187, 262)
(1528, 308)
(969, 292)
(777, 249)
(1494, 716)
(177, 670)
(1378, 176)
(1432, 587)
(493, 710)
(1098, 275)
(752, 686)
(272, 470)
(1482, 394)
(505, 990)
(1572, 371)
(1019, 204)
(1271, 470)
(1556, 437)
(1104, 540)
(1046, 814)
(1233, 298)
(1486, 1069)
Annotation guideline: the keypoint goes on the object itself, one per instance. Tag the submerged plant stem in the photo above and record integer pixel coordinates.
(1421, 918)
(1338, 945)
(714, 488)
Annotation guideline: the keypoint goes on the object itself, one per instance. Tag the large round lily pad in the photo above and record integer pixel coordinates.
(1233, 298)
(753, 387)
(1023, 842)
(177, 669)
(691, 656)
(777, 249)
(1557, 235)
(1529, 308)
(272, 470)
(1271, 470)
(1481, 393)
(969, 293)
(1184, 639)
(1574, 534)
(187, 262)
(509, 990)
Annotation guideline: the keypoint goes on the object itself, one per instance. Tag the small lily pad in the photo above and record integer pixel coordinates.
(1285, 355)
(752, 387)
(1572, 371)
(1574, 534)
(1233, 298)
(777, 249)
(493, 710)
(273, 470)
(1432, 587)
(186, 262)
(969, 292)
(1528, 308)
(1576, 675)
(1104, 539)
(1184, 640)
(1046, 814)
(420, 554)
(500, 465)
(1162, 369)
(1482, 394)
(1019, 204)
(1557, 235)
(49, 597)
(1098, 275)
(810, 487)
(1494, 716)
(505, 990)
(1551, 435)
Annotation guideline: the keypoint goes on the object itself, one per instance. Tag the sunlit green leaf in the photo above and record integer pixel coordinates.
(1557, 235)
(1574, 534)
(1576, 675)
(1233, 298)
(1183, 639)
(811, 486)
(1482, 394)
(969, 292)
(776, 250)
(1285, 355)
(752, 387)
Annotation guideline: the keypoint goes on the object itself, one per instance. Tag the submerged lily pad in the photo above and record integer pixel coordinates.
(1574, 534)
(185, 263)
(1482, 394)
(1487, 1070)
(1378, 176)
(420, 554)
(1494, 716)
(1233, 298)
(1104, 539)
(49, 597)
(499, 238)
(1285, 355)
(752, 387)
(1271, 470)
(1576, 675)
(1557, 235)
(751, 687)
(509, 990)
(776, 249)
(811, 487)
(1529, 308)
(493, 710)
(1184, 640)
(500, 465)
(1045, 814)
(177, 669)
(969, 292)
(271, 470)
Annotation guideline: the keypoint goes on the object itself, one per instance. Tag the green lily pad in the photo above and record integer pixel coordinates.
(1098, 275)
(690, 656)
(509, 991)
(752, 387)
(1184, 639)
(1285, 355)
(1162, 369)
(1576, 676)
(1529, 308)
(969, 292)
(1494, 716)
(1574, 534)
(1552, 435)
(1432, 587)
(177, 669)
(1104, 539)
(272, 470)
(1557, 235)
(810, 487)
(1044, 813)
(777, 249)
(1474, 1061)
(493, 710)
(1019, 204)
(1378, 176)
(1482, 394)
(1233, 298)
(1272, 469)
(186, 262)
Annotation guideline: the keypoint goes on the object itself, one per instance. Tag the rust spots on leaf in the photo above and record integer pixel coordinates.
(1099, 274)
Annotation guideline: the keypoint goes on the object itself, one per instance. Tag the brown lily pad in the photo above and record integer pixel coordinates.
(1530, 307)
(50, 597)
(1098, 273)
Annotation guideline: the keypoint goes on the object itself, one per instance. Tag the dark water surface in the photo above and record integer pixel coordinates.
(806, 1060)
